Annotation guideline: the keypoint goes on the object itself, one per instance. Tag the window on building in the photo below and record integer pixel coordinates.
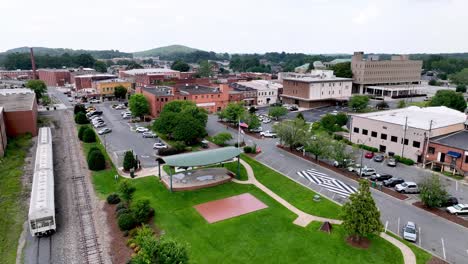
(196, 97)
(373, 134)
(394, 139)
(383, 136)
(356, 130)
(416, 144)
(365, 132)
(406, 141)
(466, 159)
(431, 150)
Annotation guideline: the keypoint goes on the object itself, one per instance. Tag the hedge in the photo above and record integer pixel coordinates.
(96, 160)
(89, 136)
(80, 118)
(169, 151)
(404, 160)
(113, 198)
(368, 148)
(248, 149)
(81, 132)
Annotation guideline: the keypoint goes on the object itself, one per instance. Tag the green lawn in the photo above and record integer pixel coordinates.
(13, 212)
(294, 193)
(422, 256)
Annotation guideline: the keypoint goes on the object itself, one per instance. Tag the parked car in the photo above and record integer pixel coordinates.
(346, 163)
(94, 101)
(93, 113)
(127, 116)
(266, 120)
(204, 143)
(407, 187)
(95, 122)
(366, 172)
(256, 130)
(159, 145)
(451, 201)
(334, 112)
(104, 131)
(268, 134)
(409, 232)
(90, 109)
(369, 155)
(149, 134)
(70, 99)
(98, 125)
(125, 113)
(120, 107)
(293, 108)
(354, 168)
(379, 158)
(380, 177)
(458, 209)
(141, 129)
(393, 181)
(391, 162)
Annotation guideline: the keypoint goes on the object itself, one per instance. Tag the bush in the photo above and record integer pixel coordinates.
(179, 146)
(129, 161)
(368, 148)
(79, 108)
(221, 138)
(236, 145)
(404, 160)
(81, 119)
(120, 206)
(81, 132)
(126, 221)
(337, 137)
(433, 193)
(113, 198)
(142, 210)
(89, 136)
(96, 160)
(123, 211)
(461, 88)
(248, 149)
(168, 151)
(126, 190)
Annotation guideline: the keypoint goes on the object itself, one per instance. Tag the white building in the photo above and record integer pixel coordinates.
(319, 88)
(406, 131)
(267, 91)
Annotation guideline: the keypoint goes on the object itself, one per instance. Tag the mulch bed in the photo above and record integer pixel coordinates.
(443, 214)
(363, 242)
(436, 260)
(342, 172)
(229, 125)
(119, 251)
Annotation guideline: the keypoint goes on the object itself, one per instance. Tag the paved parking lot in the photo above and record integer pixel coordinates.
(123, 137)
(310, 115)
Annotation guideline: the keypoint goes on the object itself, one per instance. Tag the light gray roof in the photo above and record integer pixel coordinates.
(201, 158)
(17, 99)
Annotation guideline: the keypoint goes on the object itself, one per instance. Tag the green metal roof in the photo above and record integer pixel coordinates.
(201, 158)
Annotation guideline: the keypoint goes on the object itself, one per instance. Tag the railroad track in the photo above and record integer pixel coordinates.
(89, 244)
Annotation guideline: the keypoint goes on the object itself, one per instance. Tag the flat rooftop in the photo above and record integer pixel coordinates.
(317, 79)
(151, 70)
(13, 100)
(398, 87)
(116, 80)
(418, 117)
(95, 75)
(159, 90)
(198, 89)
(261, 84)
(457, 140)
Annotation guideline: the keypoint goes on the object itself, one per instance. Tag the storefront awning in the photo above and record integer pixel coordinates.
(454, 154)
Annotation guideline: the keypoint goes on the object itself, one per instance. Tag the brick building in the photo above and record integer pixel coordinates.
(213, 99)
(449, 152)
(106, 88)
(16, 75)
(86, 81)
(19, 111)
(54, 77)
(242, 93)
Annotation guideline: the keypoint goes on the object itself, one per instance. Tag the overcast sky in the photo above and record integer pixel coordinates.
(241, 26)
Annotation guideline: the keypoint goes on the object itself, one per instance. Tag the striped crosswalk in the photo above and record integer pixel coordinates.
(331, 184)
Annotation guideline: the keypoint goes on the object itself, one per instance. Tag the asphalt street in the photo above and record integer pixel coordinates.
(436, 234)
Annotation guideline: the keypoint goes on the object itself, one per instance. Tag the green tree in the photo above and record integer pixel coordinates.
(81, 119)
(38, 86)
(358, 102)
(129, 160)
(319, 145)
(460, 77)
(382, 105)
(450, 99)
(81, 131)
(253, 121)
(343, 70)
(233, 112)
(461, 88)
(126, 190)
(89, 136)
(181, 66)
(442, 76)
(300, 116)
(205, 69)
(340, 153)
(221, 138)
(79, 108)
(133, 65)
(96, 160)
(401, 104)
(85, 60)
(432, 193)
(277, 111)
(188, 129)
(100, 66)
(138, 105)
(433, 82)
(328, 122)
(120, 92)
(292, 132)
(360, 215)
(142, 210)
(252, 110)
(341, 119)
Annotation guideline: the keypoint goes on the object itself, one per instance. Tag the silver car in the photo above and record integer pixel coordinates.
(409, 232)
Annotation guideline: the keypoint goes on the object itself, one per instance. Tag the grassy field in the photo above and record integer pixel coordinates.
(294, 193)
(422, 257)
(13, 213)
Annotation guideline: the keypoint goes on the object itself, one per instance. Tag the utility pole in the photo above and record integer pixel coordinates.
(426, 147)
(404, 137)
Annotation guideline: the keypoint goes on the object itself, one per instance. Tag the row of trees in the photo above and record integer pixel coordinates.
(22, 61)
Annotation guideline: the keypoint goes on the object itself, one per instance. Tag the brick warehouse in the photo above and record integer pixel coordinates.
(53, 77)
(86, 81)
(212, 99)
(19, 111)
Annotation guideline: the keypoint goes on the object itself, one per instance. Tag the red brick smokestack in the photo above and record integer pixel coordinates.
(33, 64)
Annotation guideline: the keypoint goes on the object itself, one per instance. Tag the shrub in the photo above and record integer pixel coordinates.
(120, 206)
(368, 148)
(79, 108)
(221, 138)
(168, 151)
(123, 211)
(96, 160)
(179, 146)
(113, 198)
(89, 136)
(126, 221)
(461, 88)
(142, 210)
(236, 145)
(337, 137)
(248, 149)
(404, 160)
(129, 161)
(80, 118)
(433, 193)
(81, 132)
(126, 190)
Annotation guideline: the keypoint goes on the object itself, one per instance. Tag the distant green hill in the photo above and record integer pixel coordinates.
(166, 51)
(98, 54)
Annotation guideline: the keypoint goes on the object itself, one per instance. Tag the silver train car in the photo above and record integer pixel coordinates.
(41, 217)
